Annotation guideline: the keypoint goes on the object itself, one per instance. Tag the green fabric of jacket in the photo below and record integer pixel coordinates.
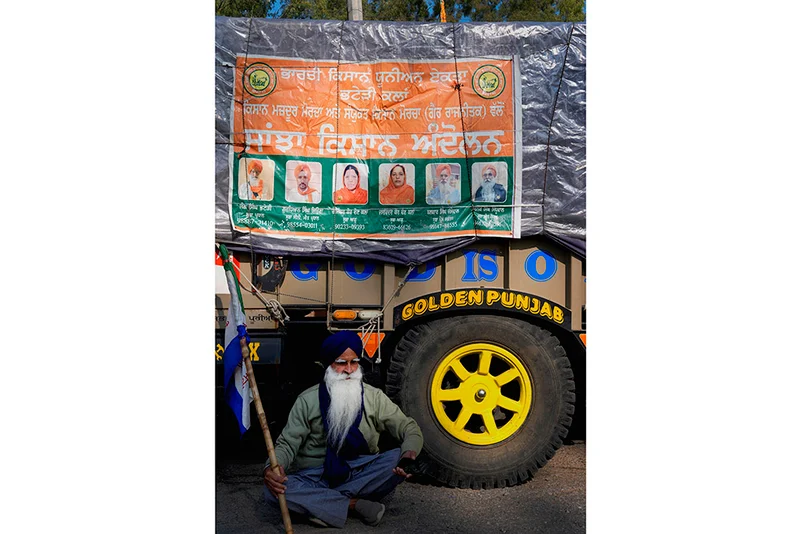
(302, 442)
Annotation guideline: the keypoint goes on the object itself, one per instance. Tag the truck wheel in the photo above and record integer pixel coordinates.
(492, 395)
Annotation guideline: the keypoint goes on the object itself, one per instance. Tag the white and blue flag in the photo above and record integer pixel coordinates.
(235, 377)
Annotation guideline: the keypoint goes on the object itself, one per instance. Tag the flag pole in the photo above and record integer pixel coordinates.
(254, 389)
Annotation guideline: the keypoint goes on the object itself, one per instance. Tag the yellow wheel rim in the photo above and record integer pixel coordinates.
(481, 393)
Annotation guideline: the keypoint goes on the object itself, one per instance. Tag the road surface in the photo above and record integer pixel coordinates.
(553, 502)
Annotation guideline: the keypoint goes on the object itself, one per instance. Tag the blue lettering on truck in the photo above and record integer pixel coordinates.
(487, 266)
(428, 274)
(531, 266)
(350, 270)
(297, 271)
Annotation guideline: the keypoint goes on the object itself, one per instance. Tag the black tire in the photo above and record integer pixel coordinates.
(509, 462)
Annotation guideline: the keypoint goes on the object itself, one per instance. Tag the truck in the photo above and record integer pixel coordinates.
(472, 313)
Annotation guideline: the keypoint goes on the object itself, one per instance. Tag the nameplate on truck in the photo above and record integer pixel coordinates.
(253, 319)
(482, 299)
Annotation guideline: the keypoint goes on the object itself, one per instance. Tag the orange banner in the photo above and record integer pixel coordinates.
(420, 109)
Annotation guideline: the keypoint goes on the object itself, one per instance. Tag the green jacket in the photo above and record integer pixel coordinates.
(302, 442)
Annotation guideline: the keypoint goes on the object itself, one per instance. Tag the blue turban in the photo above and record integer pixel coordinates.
(335, 345)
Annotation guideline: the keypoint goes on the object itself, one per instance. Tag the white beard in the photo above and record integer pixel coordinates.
(488, 192)
(346, 402)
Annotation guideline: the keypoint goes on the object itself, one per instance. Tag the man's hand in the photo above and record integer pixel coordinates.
(400, 472)
(274, 481)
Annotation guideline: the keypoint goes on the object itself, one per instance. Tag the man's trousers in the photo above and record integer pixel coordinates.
(371, 478)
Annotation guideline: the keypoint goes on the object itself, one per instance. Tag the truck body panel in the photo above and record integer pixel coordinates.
(531, 266)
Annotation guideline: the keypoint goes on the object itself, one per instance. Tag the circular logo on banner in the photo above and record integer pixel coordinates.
(259, 79)
(489, 81)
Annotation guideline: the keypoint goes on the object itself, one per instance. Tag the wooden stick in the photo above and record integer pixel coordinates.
(267, 439)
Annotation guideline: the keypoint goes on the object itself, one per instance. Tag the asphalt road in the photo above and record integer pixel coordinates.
(553, 502)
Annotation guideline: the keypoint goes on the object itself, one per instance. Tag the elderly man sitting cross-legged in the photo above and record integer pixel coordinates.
(329, 445)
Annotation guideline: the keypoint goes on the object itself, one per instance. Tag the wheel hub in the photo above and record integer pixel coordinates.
(481, 393)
